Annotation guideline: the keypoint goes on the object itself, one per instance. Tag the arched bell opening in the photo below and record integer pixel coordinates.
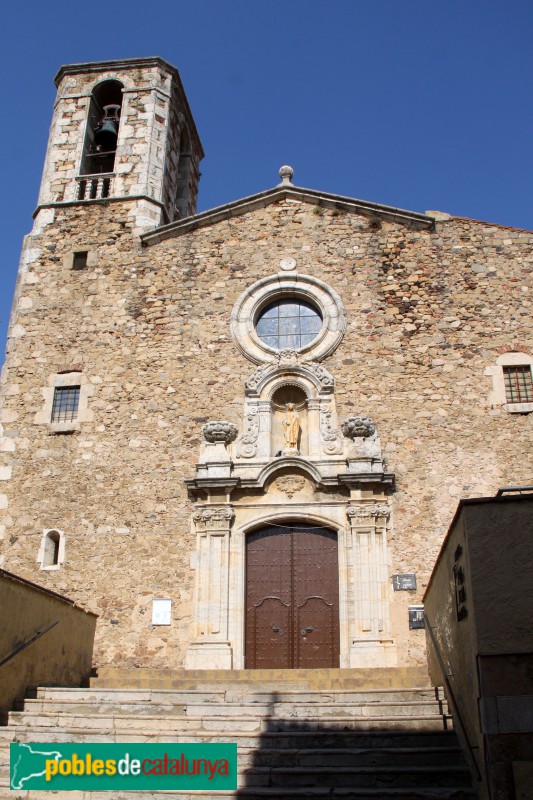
(292, 597)
(289, 429)
(101, 136)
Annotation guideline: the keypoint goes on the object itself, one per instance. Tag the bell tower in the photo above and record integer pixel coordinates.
(123, 130)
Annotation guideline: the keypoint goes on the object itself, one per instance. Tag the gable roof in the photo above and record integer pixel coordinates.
(287, 192)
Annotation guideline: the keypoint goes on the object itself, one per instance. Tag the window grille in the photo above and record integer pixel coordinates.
(518, 384)
(65, 405)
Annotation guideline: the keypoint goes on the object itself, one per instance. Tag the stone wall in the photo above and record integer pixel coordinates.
(428, 311)
(62, 656)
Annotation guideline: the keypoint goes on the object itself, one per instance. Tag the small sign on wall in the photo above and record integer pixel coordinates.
(161, 611)
(404, 582)
(416, 617)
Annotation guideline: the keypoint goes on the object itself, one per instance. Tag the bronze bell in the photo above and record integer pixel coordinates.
(106, 132)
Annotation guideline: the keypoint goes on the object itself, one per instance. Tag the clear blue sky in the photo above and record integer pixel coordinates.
(421, 105)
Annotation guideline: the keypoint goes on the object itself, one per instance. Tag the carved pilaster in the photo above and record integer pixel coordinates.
(213, 526)
(368, 560)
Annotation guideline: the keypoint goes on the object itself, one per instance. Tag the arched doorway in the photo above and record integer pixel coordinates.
(292, 597)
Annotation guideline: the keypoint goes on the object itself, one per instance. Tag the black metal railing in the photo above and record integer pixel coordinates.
(31, 640)
(453, 700)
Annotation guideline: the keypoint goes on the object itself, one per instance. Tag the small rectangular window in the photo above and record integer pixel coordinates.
(518, 384)
(79, 259)
(65, 405)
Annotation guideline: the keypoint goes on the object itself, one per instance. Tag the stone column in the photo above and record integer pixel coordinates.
(211, 649)
(371, 644)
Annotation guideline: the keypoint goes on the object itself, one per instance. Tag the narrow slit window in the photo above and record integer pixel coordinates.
(50, 554)
(51, 549)
(518, 384)
(79, 259)
(65, 405)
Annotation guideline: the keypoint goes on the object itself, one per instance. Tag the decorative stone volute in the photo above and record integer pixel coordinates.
(217, 516)
(358, 427)
(219, 431)
(367, 511)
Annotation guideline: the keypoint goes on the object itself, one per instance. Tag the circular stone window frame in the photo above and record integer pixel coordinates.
(286, 287)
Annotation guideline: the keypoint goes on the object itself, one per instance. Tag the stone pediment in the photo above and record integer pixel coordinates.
(287, 192)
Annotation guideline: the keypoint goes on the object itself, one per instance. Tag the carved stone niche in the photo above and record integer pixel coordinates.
(270, 390)
(215, 461)
(289, 421)
(364, 450)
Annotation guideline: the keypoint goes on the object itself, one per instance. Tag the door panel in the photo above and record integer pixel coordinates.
(292, 596)
(268, 600)
(271, 621)
(315, 629)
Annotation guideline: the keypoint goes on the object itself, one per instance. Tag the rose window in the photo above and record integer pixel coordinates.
(288, 324)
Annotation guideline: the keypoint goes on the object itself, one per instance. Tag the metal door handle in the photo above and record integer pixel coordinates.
(276, 629)
(306, 630)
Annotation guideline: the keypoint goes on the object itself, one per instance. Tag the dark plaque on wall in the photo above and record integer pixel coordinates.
(416, 617)
(403, 583)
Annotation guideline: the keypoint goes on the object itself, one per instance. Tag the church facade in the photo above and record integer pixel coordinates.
(240, 436)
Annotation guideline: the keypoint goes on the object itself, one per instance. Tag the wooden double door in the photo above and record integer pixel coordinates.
(292, 598)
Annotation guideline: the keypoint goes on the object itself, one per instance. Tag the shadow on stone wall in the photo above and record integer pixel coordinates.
(61, 656)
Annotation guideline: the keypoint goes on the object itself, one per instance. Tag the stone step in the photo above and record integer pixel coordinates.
(284, 710)
(352, 757)
(294, 739)
(233, 695)
(333, 757)
(355, 777)
(352, 777)
(268, 679)
(276, 793)
(149, 724)
(323, 738)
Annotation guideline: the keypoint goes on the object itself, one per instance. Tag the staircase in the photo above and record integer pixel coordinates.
(351, 734)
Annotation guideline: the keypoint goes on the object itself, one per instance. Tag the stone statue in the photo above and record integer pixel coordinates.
(292, 432)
